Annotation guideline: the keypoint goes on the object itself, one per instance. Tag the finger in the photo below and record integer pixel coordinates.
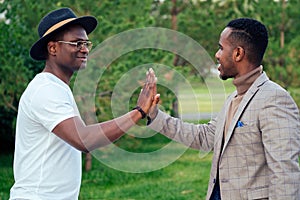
(148, 82)
(156, 99)
(149, 88)
(155, 86)
(148, 76)
(153, 77)
(148, 79)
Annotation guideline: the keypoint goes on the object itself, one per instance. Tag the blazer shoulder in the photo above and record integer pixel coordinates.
(272, 86)
(273, 92)
(264, 83)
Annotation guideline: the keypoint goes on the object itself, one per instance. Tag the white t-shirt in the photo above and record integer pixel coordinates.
(45, 166)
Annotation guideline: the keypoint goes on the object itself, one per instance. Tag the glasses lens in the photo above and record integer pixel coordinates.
(89, 45)
(86, 44)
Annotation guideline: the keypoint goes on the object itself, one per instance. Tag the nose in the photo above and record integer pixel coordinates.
(84, 48)
(217, 55)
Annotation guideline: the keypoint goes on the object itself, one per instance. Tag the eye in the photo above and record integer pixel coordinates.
(80, 44)
(86, 44)
(220, 47)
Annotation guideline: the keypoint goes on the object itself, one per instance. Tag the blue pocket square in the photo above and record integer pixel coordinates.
(239, 124)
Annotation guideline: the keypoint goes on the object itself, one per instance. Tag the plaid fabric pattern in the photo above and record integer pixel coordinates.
(259, 156)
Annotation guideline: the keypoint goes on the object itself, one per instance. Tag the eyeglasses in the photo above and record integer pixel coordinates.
(79, 44)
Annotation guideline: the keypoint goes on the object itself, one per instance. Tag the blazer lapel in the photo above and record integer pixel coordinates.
(221, 124)
(245, 101)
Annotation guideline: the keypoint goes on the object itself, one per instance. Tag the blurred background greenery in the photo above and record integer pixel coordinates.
(202, 20)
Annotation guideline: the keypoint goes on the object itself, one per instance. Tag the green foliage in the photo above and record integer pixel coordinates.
(6, 178)
(201, 20)
(16, 67)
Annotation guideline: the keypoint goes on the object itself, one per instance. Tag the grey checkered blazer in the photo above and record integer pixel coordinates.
(258, 159)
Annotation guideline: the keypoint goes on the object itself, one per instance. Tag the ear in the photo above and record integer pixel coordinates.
(238, 53)
(51, 47)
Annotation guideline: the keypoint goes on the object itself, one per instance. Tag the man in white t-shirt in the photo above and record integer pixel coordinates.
(50, 133)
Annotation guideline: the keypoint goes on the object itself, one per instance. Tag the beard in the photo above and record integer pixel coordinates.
(225, 73)
(224, 78)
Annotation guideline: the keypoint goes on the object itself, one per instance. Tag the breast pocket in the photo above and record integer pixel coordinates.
(248, 138)
(247, 130)
(245, 152)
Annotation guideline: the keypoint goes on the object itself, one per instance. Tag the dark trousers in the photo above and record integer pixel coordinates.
(216, 192)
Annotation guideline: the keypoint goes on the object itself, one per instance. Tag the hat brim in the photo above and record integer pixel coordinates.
(38, 49)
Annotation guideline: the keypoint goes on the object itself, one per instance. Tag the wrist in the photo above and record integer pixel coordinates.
(152, 115)
(138, 108)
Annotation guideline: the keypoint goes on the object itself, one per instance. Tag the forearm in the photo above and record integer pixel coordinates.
(191, 135)
(87, 138)
(102, 134)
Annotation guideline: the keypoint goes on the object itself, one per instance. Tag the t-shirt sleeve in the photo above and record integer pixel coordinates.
(52, 104)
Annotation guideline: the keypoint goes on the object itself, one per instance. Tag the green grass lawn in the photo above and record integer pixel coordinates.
(204, 97)
(186, 178)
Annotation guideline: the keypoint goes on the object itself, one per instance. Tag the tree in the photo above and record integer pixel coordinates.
(16, 66)
(200, 20)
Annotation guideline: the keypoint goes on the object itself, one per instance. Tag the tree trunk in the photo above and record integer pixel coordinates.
(88, 162)
(282, 27)
(174, 13)
(88, 156)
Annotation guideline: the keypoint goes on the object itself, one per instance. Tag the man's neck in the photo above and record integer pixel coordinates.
(65, 76)
(244, 82)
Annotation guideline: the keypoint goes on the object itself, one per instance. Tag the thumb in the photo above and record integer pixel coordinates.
(156, 99)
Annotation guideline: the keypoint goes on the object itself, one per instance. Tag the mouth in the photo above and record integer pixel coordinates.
(83, 59)
(219, 66)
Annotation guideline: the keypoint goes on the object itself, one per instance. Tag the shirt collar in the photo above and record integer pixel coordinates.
(244, 82)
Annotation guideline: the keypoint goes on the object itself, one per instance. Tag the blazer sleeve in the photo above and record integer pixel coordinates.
(280, 129)
(195, 136)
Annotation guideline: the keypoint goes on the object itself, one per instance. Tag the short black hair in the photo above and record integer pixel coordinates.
(252, 35)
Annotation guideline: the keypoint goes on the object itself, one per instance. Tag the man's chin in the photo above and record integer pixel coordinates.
(83, 66)
(224, 78)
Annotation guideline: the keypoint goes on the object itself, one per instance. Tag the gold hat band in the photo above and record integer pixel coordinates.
(59, 24)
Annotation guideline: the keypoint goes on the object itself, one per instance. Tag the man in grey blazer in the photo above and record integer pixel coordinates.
(256, 136)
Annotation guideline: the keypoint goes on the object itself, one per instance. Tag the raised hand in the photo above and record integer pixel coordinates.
(148, 93)
(153, 109)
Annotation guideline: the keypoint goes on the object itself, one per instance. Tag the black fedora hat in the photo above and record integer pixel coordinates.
(54, 22)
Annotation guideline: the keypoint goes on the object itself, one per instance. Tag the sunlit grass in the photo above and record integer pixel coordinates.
(204, 97)
(186, 178)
